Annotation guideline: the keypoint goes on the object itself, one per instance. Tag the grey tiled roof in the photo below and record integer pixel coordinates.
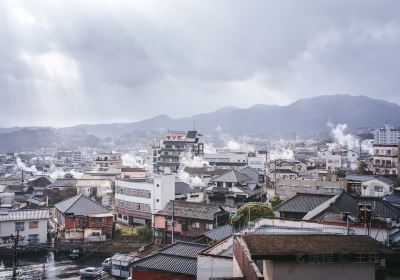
(182, 187)
(168, 263)
(302, 203)
(180, 257)
(185, 249)
(365, 178)
(219, 233)
(394, 197)
(65, 183)
(193, 210)
(232, 176)
(80, 205)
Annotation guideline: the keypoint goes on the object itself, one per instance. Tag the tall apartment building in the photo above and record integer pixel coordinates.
(387, 135)
(167, 153)
(106, 161)
(137, 199)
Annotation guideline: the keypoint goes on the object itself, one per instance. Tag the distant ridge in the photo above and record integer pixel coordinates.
(310, 114)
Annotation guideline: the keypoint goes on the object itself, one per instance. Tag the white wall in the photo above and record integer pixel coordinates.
(208, 267)
(370, 190)
(8, 228)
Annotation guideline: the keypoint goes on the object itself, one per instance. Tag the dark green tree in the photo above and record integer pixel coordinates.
(252, 210)
(275, 201)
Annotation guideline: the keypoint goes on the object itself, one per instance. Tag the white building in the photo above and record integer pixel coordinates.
(257, 162)
(107, 161)
(77, 158)
(387, 136)
(31, 224)
(137, 200)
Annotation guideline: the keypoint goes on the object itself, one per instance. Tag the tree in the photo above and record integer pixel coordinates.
(362, 168)
(275, 201)
(252, 210)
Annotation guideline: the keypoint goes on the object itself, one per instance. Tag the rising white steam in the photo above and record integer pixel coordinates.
(280, 153)
(129, 160)
(233, 145)
(347, 140)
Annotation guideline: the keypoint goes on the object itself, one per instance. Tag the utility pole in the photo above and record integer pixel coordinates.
(15, 247)
(173, 221)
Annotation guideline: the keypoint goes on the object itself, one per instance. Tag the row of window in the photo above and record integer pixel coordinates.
(308, 188)
(133, 205)
(21, 225)
(133, 192)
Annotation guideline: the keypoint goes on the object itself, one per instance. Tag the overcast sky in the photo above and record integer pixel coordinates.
(70, 62)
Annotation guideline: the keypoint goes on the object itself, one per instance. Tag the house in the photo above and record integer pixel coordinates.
(177, 261)
(120, 265)
(137, 199)
(287, 188)
(368, 185)
(216, 262)
(108, 161)
(132, 173)
(184, 191)
(287, 164)
(182, 220)
(308, 256)
(98, 187)
(61, 189)
(30, 223)
(218, 234)
(257, 177)
(299, 205)
(79, 217)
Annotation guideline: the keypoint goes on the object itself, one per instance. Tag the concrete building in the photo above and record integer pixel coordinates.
(386, 159)
(387, 136)
(369, 185)
(107, 161)
(224, 159)
(137, 199)
(167, 153)
(31, 224)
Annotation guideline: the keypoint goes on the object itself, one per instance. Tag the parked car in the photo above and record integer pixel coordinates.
(90, 272)
(75, 254)
(106, 265)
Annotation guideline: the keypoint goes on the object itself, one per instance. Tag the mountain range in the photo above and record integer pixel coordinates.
(304, 115)
(310, 114)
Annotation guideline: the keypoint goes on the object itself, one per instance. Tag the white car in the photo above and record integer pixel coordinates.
(90, 272)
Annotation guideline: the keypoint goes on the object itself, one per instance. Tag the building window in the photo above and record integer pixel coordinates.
(209, 226)
(295, 188)
(195, 225)
(33, 238)
(157, 200)
(378, 189)
(33, 224)
(20, 226)
(119, 216)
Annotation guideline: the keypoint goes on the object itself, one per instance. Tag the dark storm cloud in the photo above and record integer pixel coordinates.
(104, 61)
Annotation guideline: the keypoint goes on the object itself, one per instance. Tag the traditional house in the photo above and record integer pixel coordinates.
(182, 220)
(79, 217)
(177, 261)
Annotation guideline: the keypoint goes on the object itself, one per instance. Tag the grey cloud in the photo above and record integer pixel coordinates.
(137, 59)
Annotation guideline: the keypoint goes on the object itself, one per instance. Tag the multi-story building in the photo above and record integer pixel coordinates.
(31, 225)
(167, 153)
(387, 136)
(137, 199)
(385, 159)
(77, 158)
(106, 161)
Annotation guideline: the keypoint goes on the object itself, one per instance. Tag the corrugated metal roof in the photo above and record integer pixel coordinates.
(65, 183)
(186, 249)
(80, 205)
(219, 233)
(24, 214)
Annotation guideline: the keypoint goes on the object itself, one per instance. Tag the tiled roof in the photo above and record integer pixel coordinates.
(264, 246)
(186, 249)
(219, 233)
(180, 257)
(65, 183)
(302, 203)
(168, 263)
(182, 188)
(394, 197)
(232, 176)
(365, 178)
(193, 210)
(24, 214)
(80, 205)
